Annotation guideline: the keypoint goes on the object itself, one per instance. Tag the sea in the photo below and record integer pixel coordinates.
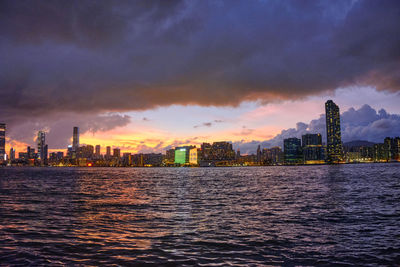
(332, 215)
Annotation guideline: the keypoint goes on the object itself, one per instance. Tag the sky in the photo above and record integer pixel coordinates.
(146, 76)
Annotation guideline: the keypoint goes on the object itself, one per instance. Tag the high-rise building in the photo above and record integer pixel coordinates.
(116, 153)
(108, 152)
(12, 154)
(194, 156)
(292, 151)
(380, 153)
(75, 139)
(86, 152)
(396, 144)
(30, 153)
(97, 151)
(333, 133)
(182, 154)
(42, 147)
(313, 151)
(259, 154)
(2, 141)
(275, 155)
(170, 156)
(392, 148)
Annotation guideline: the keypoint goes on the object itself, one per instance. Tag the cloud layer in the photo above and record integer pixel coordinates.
(102, 56)
(364, 123)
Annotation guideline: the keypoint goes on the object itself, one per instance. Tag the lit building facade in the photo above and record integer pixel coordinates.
(313, 151)
(42, 147)
(108, 152)
(75, 139)
(292, 151)
(116, 153)
(182, 155)
(392, 146)
(97, 151)
(12, 154)
(194, 156)
(2, 142)
(333, 133)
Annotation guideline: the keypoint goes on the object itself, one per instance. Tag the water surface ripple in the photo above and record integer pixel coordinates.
(307, 215)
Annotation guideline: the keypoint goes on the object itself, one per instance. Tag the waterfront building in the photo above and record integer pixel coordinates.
(182, 154)
(396, 144)
(380, 153)
(42, 147)
(292, 151)
(12, 154)
(85, 151)
(31, 153)
(392, 148)
(333, 133)
(238, 154)
(97, 151)
(56, 157)
(218, 151)
(75, 139)
(272, 156)
(194, 156)
(2, 142)
(313, 151)
(275, 155)
(205, 150)
(170, 156)
(108, 152)
(116, 153)
(259, 154)
(126, 159)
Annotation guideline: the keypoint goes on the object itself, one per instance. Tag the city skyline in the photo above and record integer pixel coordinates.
(276, 140)
(308, 150)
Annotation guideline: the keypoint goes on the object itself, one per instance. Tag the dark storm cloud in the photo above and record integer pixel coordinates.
(97, 56)
(364, 123)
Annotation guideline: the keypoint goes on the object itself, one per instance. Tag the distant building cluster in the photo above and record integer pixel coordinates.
(310, 149)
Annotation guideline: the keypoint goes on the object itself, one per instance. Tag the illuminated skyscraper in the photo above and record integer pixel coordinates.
(108, 152)
(97, 150)
(333, 134)
(12, 154)
(75, 139)
(2, 141)
(42, 147)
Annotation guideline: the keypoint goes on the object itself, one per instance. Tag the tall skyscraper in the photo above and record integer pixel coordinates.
(2, 141)
(108, 152)
(258, 154)
(12, 154)
(333, 133)
(75, 139)
(97, 153)
(42, 147)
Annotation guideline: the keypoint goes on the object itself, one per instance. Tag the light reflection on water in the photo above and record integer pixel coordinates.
(307, 215)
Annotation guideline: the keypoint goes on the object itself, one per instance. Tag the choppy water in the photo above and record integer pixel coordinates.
(305, 215)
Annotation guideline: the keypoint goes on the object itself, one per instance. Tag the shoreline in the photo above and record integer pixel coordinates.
(229, 166)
